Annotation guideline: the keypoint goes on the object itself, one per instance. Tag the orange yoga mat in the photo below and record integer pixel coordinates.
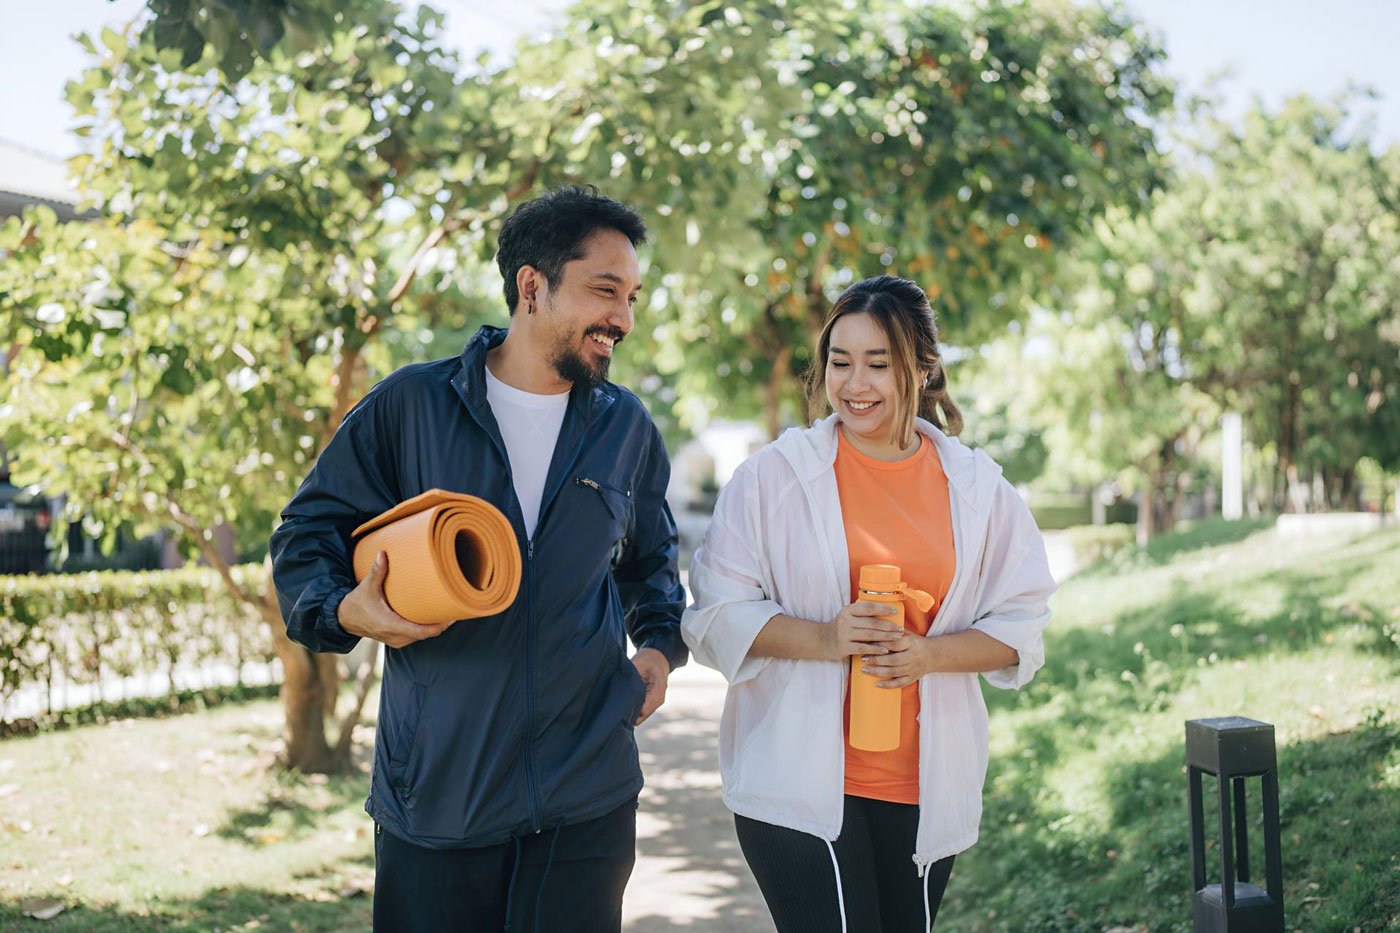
(451, 556)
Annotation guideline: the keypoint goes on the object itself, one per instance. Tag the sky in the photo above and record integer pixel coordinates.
(1271, 48)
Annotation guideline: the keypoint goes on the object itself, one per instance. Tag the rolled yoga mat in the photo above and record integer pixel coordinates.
(451, 556)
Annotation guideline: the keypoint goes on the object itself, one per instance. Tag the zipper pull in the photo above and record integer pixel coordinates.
(529, 550)
(584, 481)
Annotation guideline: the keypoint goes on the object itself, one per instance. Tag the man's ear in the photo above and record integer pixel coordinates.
(528, 281)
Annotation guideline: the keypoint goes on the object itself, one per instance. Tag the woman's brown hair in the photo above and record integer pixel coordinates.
(901, 310)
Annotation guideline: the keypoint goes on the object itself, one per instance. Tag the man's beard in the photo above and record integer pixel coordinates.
(572, 367)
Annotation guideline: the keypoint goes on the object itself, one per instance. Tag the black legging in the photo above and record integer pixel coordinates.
(879, 884)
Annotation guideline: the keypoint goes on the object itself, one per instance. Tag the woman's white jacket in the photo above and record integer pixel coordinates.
(777, 544)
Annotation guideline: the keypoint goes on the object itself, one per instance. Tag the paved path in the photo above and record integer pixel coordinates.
(690, 873)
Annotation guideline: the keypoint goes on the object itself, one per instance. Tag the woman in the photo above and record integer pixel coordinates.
(841, 839)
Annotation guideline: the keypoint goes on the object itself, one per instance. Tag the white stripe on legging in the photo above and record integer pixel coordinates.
(928, 921)
(840, 897)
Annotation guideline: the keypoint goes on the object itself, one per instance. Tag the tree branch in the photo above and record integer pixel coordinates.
(352, 716)
(448, 227)
(193, 527)
(344, 380)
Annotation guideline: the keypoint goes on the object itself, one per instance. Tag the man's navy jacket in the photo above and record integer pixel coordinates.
(522, 721)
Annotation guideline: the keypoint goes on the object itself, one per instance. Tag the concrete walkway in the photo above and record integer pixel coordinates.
(690, 874)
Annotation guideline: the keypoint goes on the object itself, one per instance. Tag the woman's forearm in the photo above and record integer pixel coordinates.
(969, 652)
(787, 637)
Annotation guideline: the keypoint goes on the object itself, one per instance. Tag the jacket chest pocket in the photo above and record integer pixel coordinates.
(615, 514)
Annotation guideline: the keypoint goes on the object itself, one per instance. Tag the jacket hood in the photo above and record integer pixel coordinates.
(971, 473)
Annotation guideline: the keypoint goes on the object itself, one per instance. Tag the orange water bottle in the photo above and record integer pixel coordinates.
(875, 709)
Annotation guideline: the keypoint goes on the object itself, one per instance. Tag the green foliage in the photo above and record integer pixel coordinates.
(1260, 280)
(1093, 543)
(960, 147)
(187, 355)
(1297, 293)
(1085, 821)
(87, 628)
(1019, 450)
(238, 32)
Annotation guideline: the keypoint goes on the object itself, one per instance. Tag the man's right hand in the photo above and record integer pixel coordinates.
(862, 628)
(365, 612)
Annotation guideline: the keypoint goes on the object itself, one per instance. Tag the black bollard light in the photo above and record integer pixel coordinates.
(1234, 748)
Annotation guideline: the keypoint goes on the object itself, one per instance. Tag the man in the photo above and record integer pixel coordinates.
(505, 773)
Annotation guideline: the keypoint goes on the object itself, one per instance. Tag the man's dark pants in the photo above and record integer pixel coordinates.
(565, 880)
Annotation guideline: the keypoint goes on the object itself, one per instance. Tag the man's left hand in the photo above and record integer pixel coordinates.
(655, 669)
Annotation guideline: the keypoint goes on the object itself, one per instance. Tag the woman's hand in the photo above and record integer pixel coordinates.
(905, 661)
(861, 628)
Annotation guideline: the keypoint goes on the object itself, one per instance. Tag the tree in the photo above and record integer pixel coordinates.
(1114, 388)
(1299, 296)
(187, 356)
(1261, 280)
(959, 148)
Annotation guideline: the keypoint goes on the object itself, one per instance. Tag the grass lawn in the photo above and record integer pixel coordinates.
(180, 824)
(1085, 827)
(184, 824)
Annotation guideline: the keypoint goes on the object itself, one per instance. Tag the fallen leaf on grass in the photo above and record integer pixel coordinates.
(42, 908)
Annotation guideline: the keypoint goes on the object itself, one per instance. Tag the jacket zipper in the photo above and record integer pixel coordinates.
(532, 796)
(599, 487)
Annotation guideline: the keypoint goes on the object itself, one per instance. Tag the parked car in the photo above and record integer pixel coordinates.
(24, 526)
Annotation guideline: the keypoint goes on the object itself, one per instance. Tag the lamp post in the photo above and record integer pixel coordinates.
(1234, 748)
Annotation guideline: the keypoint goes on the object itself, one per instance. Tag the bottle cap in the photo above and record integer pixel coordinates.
(879, 577)
(885, 578)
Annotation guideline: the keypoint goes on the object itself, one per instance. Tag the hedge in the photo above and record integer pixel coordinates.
(1093, 543)
(89, 627)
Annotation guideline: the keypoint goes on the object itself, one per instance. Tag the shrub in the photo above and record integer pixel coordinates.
(88, 627)
(1093, 543)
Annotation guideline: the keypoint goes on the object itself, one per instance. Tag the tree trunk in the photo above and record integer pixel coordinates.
(308, 696)
(778, 377)
(1146, 509)
(1288, 448)
(1349, 490)
(304, 700)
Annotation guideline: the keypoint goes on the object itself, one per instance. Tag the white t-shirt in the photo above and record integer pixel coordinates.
(530, 427)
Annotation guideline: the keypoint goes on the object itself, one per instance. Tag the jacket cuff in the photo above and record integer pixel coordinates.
(671, 645)
(328, 631)
(1030, 659)
(724, 644)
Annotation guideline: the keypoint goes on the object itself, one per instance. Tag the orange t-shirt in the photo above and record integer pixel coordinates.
(896, 513)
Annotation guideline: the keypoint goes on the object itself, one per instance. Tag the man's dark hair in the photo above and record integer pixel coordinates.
(550, 231)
